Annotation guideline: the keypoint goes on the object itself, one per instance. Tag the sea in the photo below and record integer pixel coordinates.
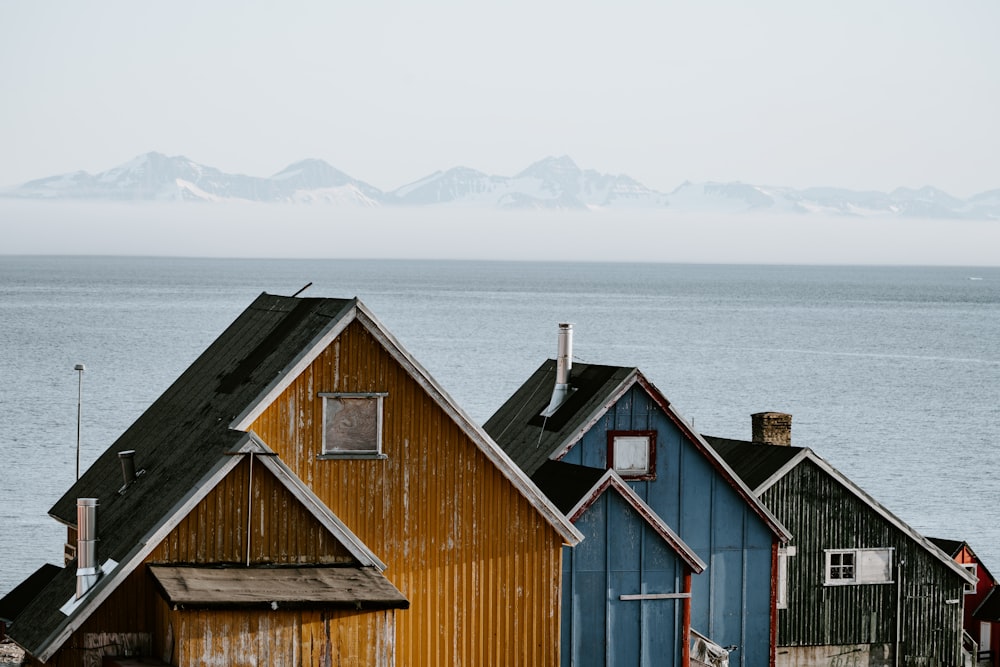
(891, 374)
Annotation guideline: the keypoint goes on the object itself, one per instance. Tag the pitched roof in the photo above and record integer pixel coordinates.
(950, 547)
(576, 488)
(48, 620)
(531, 439)
(766, 464)
(954, 547)
(753, 463)
(185, 440)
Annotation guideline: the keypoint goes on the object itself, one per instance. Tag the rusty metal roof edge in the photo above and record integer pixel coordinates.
(612, 479)
(776, 526)
(562, 525)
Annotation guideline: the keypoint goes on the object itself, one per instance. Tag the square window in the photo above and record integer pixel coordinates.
(632, 454)
(352, 425)
(841, 567)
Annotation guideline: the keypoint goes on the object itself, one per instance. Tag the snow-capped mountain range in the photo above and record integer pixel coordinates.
(552, 183)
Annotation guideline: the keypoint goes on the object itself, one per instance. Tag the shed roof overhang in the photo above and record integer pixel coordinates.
(276, 587)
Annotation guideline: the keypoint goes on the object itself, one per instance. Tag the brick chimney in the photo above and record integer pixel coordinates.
(772, 428)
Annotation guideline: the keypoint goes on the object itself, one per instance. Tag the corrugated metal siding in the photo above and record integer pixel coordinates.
(478, 563)
(282, 530)
(282, 638)
(823, 515)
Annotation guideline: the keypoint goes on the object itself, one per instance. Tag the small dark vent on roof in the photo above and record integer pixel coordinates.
(586, 383)
(229, 382)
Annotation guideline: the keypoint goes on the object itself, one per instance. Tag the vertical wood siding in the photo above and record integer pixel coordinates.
(621, 555)
(821, 515)
(731, 600)
(215, 532)
(282, 531)
(479, 565)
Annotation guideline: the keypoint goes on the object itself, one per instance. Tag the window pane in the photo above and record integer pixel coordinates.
(875, 565)
(351, 425)
(631, 454)
(841, 566)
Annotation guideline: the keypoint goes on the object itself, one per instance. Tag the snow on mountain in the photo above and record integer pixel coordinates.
(314, 180)
(553, 183)
(459, 184)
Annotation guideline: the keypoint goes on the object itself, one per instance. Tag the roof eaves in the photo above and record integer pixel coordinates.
(305, 357)
(595, 416)
(880, 509)
(570, 534)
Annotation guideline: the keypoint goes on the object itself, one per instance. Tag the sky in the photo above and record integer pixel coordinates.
(854, 93)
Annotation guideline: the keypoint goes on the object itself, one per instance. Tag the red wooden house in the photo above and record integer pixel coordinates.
(982, 602)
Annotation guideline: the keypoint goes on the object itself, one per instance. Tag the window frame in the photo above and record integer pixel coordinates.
(650, 436)
(859, 577)
(970, 589)
(781, 596)
(328, 452)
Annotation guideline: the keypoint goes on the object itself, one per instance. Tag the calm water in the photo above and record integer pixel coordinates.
(892, 374)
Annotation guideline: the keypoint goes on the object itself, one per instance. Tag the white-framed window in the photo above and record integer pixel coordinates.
(352, 425)
(970, 589)
(632, 454)
(858, 566)
(784, 553)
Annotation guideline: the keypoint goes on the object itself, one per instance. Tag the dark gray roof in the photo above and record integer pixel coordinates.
(529, 438)
(566, 483)
(180, 439)
(950, 547)
(989, 608)
(19, 597)
(755, 463)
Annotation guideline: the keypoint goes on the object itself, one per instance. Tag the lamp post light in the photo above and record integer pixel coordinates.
(79, 368)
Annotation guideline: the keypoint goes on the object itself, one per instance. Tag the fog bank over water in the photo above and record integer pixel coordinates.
(283, 231)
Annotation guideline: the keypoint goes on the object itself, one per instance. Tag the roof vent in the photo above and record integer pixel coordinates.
(564, 363)
(88, 571)
(129, 473)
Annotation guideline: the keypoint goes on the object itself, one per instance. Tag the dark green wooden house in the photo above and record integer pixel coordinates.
(857, 586)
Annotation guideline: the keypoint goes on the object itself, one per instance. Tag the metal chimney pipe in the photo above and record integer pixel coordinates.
(88, 571)
(564, 363)
(127, 459)
(564, 360)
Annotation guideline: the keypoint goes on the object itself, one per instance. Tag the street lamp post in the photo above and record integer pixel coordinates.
(79, 368)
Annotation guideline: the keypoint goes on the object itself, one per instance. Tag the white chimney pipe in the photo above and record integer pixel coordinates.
(564, 364)
(88, 571)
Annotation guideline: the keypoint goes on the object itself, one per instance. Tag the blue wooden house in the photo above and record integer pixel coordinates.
(627, 586)
(613, 418)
